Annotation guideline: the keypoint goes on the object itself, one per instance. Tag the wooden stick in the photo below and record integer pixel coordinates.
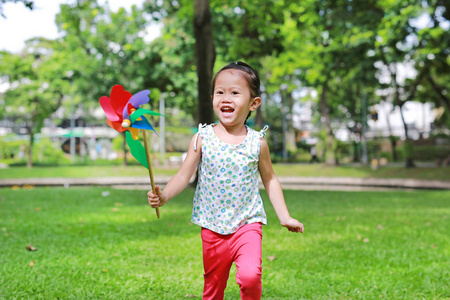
(150, 172)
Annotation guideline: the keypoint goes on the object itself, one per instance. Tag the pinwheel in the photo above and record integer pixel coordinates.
(123, 113)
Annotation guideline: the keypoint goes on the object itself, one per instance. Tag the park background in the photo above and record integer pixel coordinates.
(364, 83)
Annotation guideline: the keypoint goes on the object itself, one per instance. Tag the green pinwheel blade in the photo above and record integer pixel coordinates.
(137, 150)
(139, 112)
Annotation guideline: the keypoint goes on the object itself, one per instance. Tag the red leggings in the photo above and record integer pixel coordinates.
(219, 252)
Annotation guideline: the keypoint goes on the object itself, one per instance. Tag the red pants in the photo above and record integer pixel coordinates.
(219, 252)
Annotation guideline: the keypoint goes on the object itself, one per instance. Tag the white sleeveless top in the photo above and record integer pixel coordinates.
(227, 195)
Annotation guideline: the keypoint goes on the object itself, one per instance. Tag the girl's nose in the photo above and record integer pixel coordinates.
(226, 97)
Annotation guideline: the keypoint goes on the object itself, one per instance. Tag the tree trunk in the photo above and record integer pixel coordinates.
(329, 155)
(30, 146)
(125, 149)
(392, 138)
(204, 58)
(408, 143)
(259, 118)
(31, 133)
(292, 145)
(393, 141)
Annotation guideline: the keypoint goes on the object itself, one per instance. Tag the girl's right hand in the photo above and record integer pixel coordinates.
(156, 199)
(293, 225)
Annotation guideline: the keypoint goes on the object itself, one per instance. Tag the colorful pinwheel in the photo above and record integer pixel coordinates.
(123, 112)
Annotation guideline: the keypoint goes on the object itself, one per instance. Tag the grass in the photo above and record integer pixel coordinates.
(100, 243)
(308, 170)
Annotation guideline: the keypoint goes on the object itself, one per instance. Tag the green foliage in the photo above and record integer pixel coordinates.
(46, 151)
(49, 152)
(340, 49)
(10, 148)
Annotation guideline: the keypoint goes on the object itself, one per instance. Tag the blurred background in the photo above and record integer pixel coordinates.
(343, 82)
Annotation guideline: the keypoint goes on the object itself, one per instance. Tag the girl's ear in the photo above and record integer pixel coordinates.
(256, 102)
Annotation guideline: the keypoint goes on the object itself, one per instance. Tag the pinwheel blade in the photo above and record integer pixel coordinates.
(116, 125)
(143, 124)
(140, 98)
(140, 112)
(135, 101)
(110, 113)
(119, 98)
(137, 150)
(134, 133)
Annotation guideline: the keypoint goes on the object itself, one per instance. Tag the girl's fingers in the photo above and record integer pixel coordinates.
(157, 191)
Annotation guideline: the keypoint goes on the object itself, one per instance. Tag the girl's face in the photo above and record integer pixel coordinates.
(232, 100)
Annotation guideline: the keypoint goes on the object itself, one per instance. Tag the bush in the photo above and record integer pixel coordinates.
(10, 147)
(47, 151)
(13, 151)
(431, 153)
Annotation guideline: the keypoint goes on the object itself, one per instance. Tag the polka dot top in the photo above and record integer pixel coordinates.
(227, 195)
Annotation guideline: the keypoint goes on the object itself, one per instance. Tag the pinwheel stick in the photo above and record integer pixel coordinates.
(150, 172)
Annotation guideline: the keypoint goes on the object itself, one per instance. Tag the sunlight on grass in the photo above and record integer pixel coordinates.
(111, 246)
(303, 170)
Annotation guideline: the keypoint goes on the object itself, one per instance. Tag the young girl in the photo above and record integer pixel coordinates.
(227, 205)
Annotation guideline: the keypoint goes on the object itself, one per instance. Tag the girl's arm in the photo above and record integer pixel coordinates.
(178, 182)
(274, 191)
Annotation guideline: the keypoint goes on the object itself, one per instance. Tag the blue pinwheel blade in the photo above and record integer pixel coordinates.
(143, 124)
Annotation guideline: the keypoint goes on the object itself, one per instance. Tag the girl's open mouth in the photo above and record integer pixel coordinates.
(227, 110)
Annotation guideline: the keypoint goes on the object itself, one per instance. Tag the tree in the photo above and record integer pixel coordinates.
(36, 87)
(27, 3)
(109, 49)
(402, 41)
(431, 57)
(325, 46)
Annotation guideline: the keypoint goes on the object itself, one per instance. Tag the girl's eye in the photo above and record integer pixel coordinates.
(219, 92)
(234, 93)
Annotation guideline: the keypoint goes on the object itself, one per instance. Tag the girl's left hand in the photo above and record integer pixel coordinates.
(293, 225)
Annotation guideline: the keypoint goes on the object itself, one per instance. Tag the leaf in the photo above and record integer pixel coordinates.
(31, 248)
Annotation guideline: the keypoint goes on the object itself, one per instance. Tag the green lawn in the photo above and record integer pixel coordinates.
(308, 170)
(101, 243)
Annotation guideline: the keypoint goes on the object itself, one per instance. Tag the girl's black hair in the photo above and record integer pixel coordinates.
(249, 74)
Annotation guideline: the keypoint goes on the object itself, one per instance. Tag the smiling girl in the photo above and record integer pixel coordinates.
(230, 157)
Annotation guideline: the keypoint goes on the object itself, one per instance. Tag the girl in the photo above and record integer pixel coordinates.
(227, 205)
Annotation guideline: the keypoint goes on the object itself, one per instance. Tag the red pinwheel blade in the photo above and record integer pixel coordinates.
(119, 98)
(109, 111)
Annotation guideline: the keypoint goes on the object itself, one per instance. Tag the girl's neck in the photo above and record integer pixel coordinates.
(231, 135)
